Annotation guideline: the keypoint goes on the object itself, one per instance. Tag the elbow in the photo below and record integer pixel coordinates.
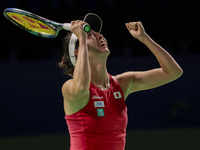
(181, 71)
(178, 73)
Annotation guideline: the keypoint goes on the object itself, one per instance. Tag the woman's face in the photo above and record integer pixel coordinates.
(97, 43)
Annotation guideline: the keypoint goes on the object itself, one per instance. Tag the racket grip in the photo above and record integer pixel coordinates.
(67, 26)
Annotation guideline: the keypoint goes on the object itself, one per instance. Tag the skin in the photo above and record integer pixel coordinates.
(91, 67)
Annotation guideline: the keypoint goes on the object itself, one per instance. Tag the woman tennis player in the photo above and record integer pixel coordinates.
(94, 100)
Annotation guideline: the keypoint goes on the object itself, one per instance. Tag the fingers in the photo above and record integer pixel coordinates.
(136, 29)
(77, 28)
(77, 24)
(133, 25)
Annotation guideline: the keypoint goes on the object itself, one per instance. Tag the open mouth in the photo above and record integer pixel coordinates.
(102, 44)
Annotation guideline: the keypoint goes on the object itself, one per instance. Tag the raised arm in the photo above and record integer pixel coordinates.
(169, 69)
(78, 88)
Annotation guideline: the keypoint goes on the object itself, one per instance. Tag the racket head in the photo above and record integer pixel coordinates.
(31, 23)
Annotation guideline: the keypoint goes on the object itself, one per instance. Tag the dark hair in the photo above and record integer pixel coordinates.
(66, 64)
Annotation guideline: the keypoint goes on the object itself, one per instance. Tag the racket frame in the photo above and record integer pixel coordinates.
(55, 26)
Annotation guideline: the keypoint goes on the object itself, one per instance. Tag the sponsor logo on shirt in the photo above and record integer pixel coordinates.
(99, 104)
(97, 97)
(100, 112)
(117, 95)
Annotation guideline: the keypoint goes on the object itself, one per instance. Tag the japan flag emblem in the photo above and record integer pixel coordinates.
(117, 95)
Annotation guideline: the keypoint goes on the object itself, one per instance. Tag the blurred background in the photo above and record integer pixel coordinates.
(31, 104)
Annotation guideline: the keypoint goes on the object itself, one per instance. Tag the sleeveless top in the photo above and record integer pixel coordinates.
(101, 124)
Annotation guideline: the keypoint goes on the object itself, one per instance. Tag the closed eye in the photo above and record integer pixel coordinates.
(89, 33)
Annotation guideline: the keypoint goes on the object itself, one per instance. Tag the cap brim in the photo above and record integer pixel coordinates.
(94, 21)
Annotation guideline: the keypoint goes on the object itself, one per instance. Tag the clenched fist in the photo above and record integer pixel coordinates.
(136, 29)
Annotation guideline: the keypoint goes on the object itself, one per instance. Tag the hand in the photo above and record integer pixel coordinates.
(136, 29)
(77, 29)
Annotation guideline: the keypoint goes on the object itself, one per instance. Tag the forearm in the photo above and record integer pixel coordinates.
(81, 78)
(166, 61)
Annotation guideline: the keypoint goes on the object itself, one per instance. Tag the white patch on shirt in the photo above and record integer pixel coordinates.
(99, 104)
(117, 95)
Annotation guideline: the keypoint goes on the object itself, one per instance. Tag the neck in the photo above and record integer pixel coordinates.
(99, 74)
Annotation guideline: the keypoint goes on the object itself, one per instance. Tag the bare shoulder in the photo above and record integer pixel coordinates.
(71, 94)
(66, 86)
(125, 78)
(125, 81)
(73, 102)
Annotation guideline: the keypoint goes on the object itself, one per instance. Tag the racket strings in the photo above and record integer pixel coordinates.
(31, 23)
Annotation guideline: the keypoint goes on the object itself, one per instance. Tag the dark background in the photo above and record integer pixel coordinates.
(30, 81)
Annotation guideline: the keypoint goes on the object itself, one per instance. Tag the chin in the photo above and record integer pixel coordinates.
(104, 48)
(106, 51)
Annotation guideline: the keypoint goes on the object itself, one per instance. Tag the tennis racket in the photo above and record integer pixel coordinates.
(37, 25)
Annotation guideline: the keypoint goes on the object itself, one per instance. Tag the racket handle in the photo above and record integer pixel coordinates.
(67, 26)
